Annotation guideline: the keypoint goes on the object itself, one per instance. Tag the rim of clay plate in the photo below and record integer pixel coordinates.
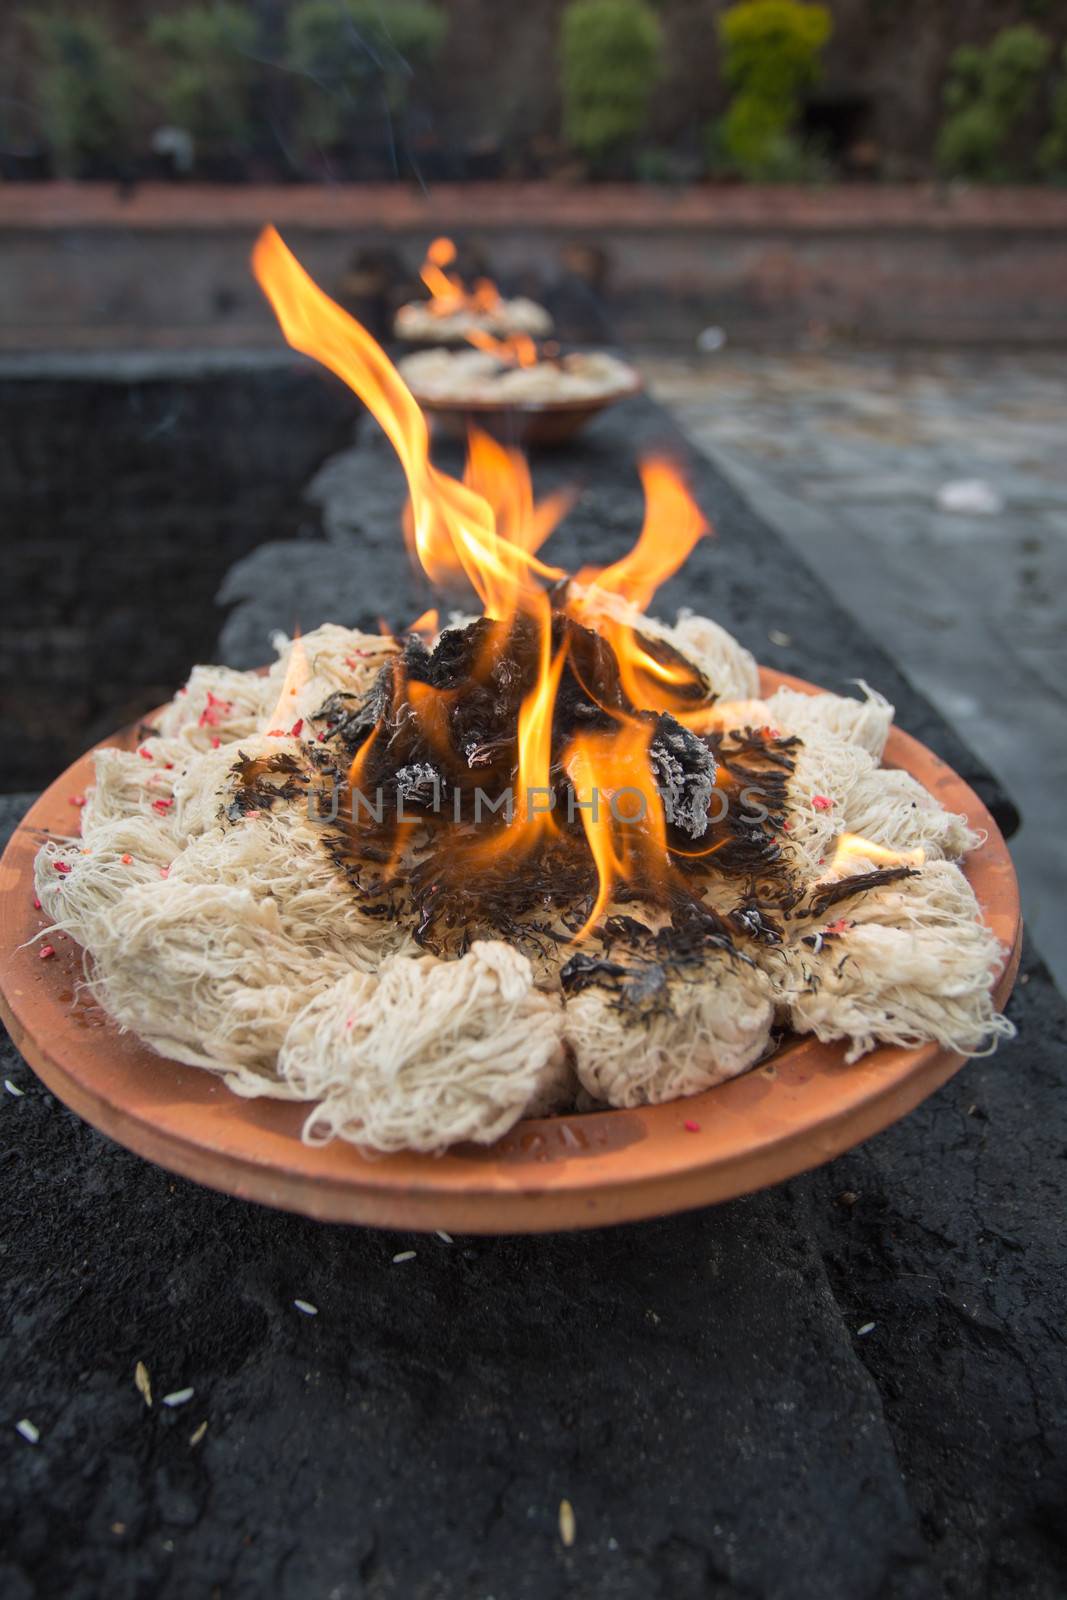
(795, 1111)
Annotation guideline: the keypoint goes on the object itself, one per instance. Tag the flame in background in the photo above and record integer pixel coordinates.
(448, 293)
(489, 529)
(517, 350)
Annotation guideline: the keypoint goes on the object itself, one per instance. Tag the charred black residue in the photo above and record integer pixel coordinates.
(435, 741)
(823, 897)
(261, 781)
(408, 759)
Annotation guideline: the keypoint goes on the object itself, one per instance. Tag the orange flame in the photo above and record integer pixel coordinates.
(489, 528)
(453, 528)
(447, 292)
(621, 812)
(535, 730)
(673, 524)
(517, 350)
(425, 626)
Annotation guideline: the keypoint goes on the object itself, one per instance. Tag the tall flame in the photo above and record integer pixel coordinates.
(454, 528)
(502, 477)
(489, 529)
(620, 810)
(672, 526)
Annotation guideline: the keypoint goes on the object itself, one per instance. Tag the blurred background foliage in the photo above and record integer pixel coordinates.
(771, 53)
(992, 93)
(611, 59)
(657, 90)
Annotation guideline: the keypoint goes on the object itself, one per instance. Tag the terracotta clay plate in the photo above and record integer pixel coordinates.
(546, 422)
(799, 1109)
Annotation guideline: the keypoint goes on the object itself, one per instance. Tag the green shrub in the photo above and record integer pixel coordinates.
(771, 55)
(1052, 155)
(612, 56)
(81, 85)
(989, 93)
(348, 54)
(209, 69)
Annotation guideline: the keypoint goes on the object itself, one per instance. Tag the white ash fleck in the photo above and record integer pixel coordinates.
(776, 636)
(13, 1088)
(197, 1434)
(29, 1431)
(445, 1238)
(306, 1307)
(970, 497)
(179, 1397)
(404, 1255)
(868, 1327)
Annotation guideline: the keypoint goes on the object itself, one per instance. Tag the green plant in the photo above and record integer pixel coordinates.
(612, 57)
(82, 84)
(349, 53)
(771, 55)
(1052, 155)
(208, 72)
(989, 93)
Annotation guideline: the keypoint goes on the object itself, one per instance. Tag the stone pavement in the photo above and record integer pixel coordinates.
(844, 454)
